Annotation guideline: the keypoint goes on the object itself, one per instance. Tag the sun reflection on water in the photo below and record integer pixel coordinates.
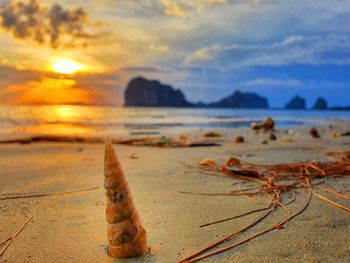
(60, 120)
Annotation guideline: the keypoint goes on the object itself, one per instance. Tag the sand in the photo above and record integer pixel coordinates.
(72, 228)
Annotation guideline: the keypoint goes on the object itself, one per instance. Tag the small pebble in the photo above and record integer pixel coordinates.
(134, 156)
(263, 141)
(273, 137)
(184, 137)
(99, 203)
(239, 139)
(335, 134)
(314, 133)
(211, 134)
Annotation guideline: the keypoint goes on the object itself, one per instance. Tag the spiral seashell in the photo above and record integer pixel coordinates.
(126, 236)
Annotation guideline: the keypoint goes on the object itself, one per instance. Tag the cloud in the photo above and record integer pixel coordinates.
(273, 82)
(332, 49)
(56, 26)
(159, 48)
(173, 8)
(183, 8)
(11, 75)
(144, 69)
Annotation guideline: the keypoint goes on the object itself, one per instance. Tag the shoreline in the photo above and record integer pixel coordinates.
(328, 129)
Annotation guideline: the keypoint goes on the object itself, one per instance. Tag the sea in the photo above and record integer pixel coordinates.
(111, 121)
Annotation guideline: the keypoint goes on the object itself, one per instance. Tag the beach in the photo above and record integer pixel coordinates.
(72, 227)
(173, 131)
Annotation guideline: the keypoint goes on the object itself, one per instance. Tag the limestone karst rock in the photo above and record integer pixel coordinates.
(296, 103)
(320, 104)
(152, 93)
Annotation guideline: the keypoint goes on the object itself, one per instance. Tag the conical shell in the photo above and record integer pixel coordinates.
(126, 236)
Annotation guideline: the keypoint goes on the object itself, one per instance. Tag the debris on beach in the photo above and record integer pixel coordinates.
(239, 139)
(335, 134)
(281, 184)
(126, 236)
(345, 133)
(263, 141)
(254, 126)
(234, 165)
(233, 162)
(212, 134)
(134, 156)
(267, 125)
(163, 142)
(184, 137)
(272, 137)
(208, 162)
(45, 194)
(6, 243)
(314, 133)
(54, 138)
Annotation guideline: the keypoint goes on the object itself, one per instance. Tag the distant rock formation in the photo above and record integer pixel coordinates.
(320, 104)
(297, 103)
(340, 108)
(242, 100)
(151, 93)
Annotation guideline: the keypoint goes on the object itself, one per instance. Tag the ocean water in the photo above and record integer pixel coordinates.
(19, 121)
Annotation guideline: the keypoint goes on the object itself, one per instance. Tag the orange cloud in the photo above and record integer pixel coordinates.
(52, 91)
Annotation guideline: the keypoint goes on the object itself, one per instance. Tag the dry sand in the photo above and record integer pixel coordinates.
(72, 228)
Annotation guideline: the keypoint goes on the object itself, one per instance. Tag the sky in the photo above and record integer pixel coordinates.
(206, 48)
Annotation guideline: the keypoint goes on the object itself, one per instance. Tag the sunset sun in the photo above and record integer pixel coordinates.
(66, 66)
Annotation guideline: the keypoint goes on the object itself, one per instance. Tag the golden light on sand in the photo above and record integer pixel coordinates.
(66, 66)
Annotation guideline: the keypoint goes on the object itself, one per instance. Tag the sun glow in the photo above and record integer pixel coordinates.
(66, 66)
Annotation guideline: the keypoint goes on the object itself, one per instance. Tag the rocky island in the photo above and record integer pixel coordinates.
(151, 93)
(297, 103)
(320, 104)
(242, 100)
(141, 92)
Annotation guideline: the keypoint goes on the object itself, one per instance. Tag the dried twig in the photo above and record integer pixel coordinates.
(336, 192)
(275, 179)
(218, 194)
(326, 199)
(18, 196)
(251, 199)
(280, 204)
(276, 226)
(229, 237)
(14, 236)
(235, 217)
(247, 213)
(3, 242)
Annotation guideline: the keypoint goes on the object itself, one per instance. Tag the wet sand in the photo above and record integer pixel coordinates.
(72, 227)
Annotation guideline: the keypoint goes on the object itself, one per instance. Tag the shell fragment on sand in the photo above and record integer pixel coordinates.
(126, 236)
